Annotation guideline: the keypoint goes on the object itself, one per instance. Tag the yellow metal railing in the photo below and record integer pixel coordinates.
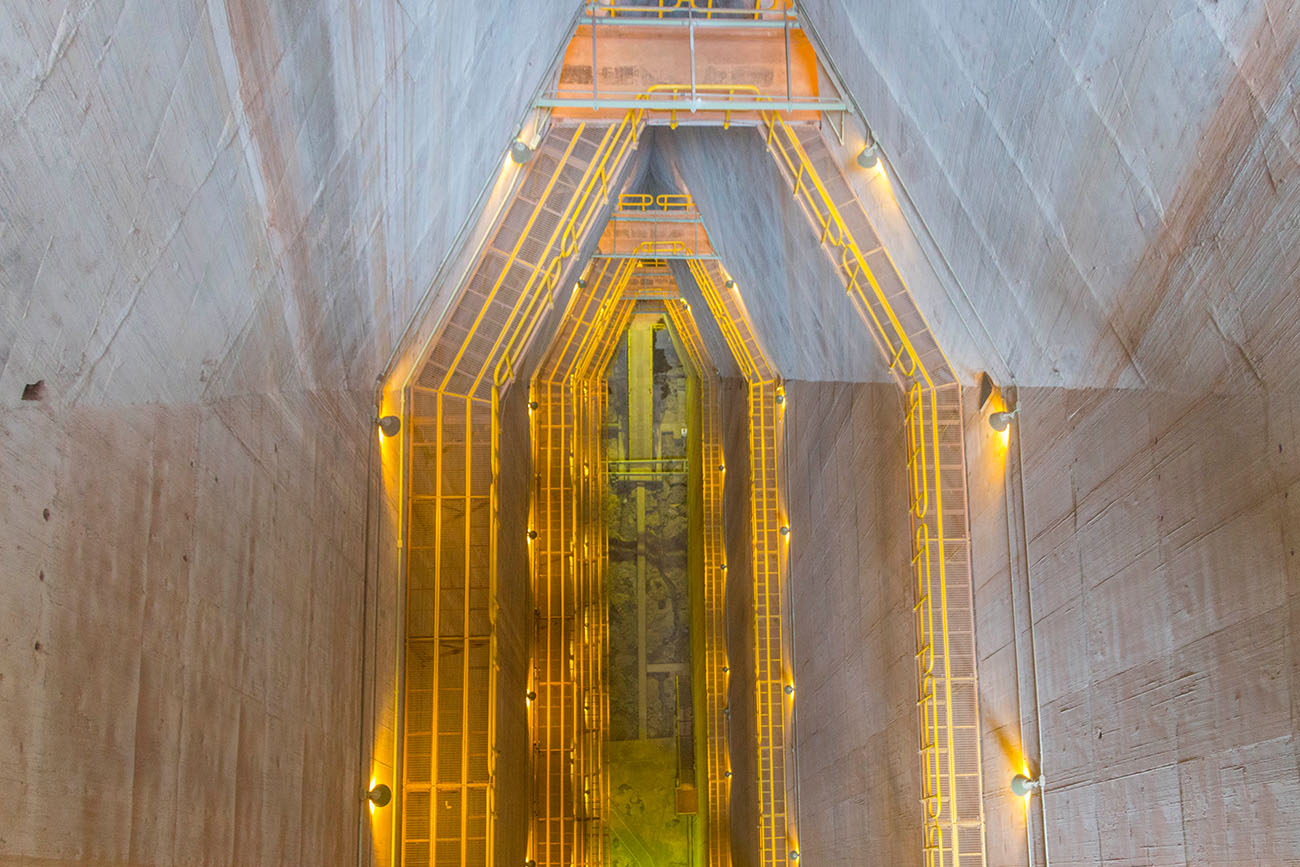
(896, 343)
(569, 716)
(448, 798)
(947, 697)
(728, 91)
(762, 9)
(778, 836)
(716, 666)
(661, 202)
(568, 381)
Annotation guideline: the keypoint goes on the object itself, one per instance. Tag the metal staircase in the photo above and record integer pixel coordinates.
(451, 645)
(947, 692)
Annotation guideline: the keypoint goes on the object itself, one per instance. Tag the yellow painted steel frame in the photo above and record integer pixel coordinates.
(569, 718)
(716, 665)
(663, 202)
(778, 835)
(449, 726)
(783, 9)
(947, 695)
(568, 563)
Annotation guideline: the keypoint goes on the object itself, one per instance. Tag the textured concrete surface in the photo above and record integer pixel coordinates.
(795, 298)
(1112, 183)
(215, 220)
(1164, 574)
(179, 675)
(233, 197)
(855, 679)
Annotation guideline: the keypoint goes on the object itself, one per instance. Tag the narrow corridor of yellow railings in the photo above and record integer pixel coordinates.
(778, 837)
(466, 435)
(716, 665)
(569, 719)
(953, 832)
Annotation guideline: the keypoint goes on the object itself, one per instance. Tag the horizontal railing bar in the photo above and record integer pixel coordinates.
(692, 105)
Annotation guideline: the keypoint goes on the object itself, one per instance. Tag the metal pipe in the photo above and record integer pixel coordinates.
(692, 31)
(365, 626)
(789, 90)
(1023, 544)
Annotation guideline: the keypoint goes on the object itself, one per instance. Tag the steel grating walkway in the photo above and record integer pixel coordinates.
(448, 782)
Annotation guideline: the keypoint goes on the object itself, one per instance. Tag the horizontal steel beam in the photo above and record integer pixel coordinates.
(615, 255)
(692, 105)
(602, 21)
(655, 217)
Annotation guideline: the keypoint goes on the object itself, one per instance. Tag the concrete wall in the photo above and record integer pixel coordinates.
(1163, 563)
(796, 301)
(216, 218)
(855, 680)
(179, 670)
(1111, 182)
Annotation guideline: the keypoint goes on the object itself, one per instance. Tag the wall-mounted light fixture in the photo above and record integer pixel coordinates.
(1023, 786)
(520, 151)
(785, 530)
(1000, 421)
(389, 425)
(869, 156)
(530, 695)
(379, 795)
(789, 689)
(794, 854)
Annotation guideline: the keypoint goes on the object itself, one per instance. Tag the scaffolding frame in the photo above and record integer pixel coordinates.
(716, 665)
(943, 609)
(569, 718)
(473, 370)
(449, 721)
(774, 705)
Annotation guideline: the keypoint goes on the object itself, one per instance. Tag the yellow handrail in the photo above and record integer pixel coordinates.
(716, 662)
(810, 190)
(928, 476)
(763, 9)
(574, 223)
(661, 202)
(462, 417)
(726, 90)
